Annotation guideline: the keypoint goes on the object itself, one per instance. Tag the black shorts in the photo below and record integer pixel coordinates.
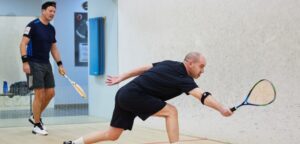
(132, 101)
(41, 76)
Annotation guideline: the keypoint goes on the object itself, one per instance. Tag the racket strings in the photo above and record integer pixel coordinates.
(80, 90)
(263, 93)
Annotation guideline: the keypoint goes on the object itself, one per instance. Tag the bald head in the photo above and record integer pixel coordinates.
(194, 63)
(192, 57)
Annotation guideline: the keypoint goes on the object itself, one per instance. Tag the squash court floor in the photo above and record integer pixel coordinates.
(59, 133)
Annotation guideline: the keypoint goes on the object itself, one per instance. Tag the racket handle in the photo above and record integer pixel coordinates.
(232, 109)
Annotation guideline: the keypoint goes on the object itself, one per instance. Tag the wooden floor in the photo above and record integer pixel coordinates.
(59, 133)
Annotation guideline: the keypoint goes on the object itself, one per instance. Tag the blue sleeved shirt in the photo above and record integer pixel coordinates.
(41, 39)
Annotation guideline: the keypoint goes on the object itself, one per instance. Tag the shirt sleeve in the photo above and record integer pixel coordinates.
(28, 32)
(156, 63)
(187, 85)
(161, 62)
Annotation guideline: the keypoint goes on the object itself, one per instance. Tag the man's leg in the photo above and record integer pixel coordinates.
(170, 113)
(49, 94)
(37, 103)
(49, 86)
(111, 134)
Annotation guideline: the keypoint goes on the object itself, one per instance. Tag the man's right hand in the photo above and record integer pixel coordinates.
(226, 112)
(26, 68)
(112, 80)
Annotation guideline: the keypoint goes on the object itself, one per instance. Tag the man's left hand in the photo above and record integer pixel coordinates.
(61, 70)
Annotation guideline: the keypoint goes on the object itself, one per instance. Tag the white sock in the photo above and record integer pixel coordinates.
(79, 141)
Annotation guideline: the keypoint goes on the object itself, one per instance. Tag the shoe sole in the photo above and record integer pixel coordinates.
(39, 133)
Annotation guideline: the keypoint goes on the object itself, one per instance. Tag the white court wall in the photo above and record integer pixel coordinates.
(12, 29)
(243, 41)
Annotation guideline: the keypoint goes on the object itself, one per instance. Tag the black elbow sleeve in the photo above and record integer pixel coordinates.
(204, 96)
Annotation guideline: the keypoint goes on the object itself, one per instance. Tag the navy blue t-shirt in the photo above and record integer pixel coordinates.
(166, 80)
(41, 39)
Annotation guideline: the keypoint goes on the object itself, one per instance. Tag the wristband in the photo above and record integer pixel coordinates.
(24, 58)
(59, 63)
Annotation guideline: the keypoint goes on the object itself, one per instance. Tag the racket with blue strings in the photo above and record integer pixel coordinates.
(262, 93)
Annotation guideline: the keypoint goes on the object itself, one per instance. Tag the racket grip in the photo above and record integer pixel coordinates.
(232, 109)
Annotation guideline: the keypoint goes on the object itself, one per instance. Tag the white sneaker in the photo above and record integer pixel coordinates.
(44, 127)
(38, 129)
(31, 120)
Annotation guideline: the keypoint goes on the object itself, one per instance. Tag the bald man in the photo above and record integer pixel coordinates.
(147, 94)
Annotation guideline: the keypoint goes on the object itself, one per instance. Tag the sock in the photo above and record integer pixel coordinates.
(79, 141)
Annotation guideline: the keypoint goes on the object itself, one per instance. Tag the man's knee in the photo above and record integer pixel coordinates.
(173, 111)
(50, 92)
(39, 93)
(170, 111)
(112, 137)
(113, 133)
(167, 111)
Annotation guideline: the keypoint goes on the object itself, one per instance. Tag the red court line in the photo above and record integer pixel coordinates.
(200, 138)
(178, 141)
(190, 140)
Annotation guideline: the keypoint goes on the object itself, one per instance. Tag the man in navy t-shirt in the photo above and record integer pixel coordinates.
(147, 94)
(37, 43)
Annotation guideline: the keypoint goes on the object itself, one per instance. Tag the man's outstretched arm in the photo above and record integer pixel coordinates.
(209, 101)
(111, 80)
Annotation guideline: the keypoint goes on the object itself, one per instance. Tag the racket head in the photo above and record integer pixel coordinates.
(262, 93)
(79, 90)
(77, 87)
